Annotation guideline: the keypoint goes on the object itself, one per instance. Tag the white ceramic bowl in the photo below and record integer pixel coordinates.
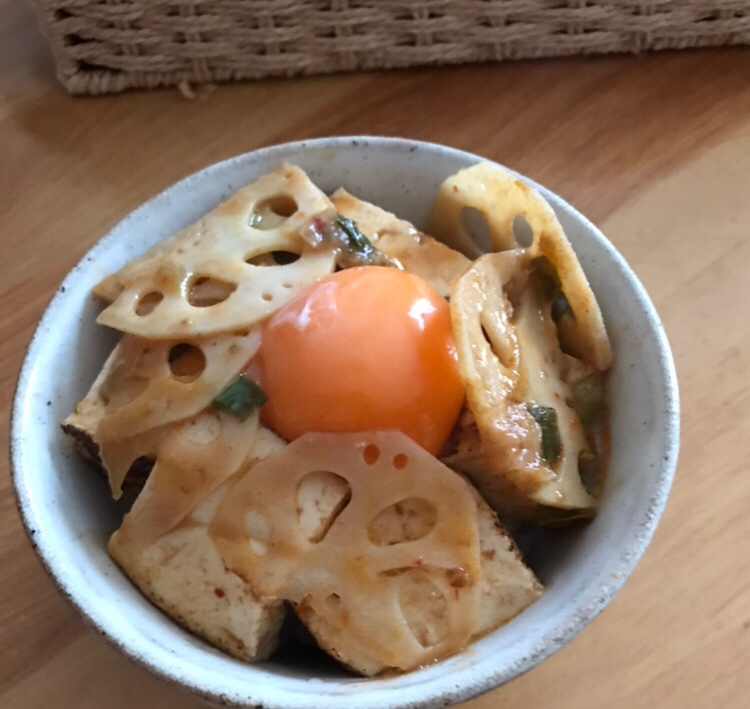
(68, 513)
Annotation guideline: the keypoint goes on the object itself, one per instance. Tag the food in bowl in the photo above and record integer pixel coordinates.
(318, 407)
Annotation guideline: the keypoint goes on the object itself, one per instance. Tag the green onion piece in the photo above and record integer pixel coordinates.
(240, 398)
(255, 220)
(588, 469)
(546, 417)
(357, 240)
(588, 399)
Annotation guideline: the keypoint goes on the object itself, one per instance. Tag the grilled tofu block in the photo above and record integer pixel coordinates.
(183, 574)
(178, 568)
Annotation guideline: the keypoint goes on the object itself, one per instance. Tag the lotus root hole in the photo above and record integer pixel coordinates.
(371, 454)
(284, 258)
(272, 212)
(407, 520)
(522, 231)
(272, 258)
(424, 607)
(186, 362)
(400, 461)
(146, 303)
(500, 352)
(258, 530)
(321, 497)
(205, 291)
(476, 227)
(283, 205)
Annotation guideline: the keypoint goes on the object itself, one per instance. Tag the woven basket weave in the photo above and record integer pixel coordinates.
(103, 46)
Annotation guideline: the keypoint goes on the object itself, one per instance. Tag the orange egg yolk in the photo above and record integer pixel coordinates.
(366, 348)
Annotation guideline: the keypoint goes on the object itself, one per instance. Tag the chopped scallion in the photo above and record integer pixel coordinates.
(358, 242)
(588, 469)
(546, 418)
(589, 399)
(240, 398)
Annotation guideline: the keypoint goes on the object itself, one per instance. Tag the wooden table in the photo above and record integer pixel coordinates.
(654, 149)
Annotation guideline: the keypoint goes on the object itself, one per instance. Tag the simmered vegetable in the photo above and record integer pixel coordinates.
(546, 417)
(240, 398)
(417, 252)
(503, 199)
(352, 247)
(588, 398)
(516, 391)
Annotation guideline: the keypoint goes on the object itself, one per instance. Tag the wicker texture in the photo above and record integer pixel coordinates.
(103, 46)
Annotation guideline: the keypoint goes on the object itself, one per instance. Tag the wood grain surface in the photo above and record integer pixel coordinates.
(654, 149)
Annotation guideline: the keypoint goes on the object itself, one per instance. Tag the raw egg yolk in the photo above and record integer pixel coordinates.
(366, 348)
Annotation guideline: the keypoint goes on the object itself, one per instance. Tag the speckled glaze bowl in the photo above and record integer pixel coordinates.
(68, 513)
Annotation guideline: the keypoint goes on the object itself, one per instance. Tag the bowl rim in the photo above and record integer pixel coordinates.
(590, 604)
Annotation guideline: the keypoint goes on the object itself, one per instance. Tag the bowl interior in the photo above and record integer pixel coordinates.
(69, 514)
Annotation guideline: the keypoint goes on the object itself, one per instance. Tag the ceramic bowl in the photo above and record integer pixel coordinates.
(68, 513)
